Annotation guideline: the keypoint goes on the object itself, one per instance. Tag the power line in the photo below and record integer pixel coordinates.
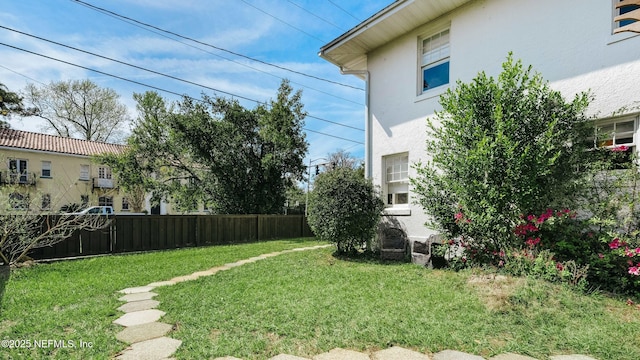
(343, 10)
(23, 75)
(149, 70)
(316, 16)
(128, 19)
(161, 89)
(284, 22)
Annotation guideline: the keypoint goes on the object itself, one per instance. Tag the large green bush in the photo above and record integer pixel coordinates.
(501, 148)
(344, 208)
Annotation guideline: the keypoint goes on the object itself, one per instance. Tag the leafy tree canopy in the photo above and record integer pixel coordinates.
(235, 160)
(11, 103)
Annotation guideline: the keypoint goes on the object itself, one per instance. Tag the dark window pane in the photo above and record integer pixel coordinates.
(435, 76)
(626, 9)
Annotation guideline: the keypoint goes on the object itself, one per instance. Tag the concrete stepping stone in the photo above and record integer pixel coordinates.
(341, 354)
(511, 356)
(180, 279)
(139, 317)
(398, 353)
(155, 349)
(227, 358)
(571, 357)
(287, 357)
(136, 290)
(455, 355)
(139, 306)
(138, 333)
(162, 283)
(138, 296)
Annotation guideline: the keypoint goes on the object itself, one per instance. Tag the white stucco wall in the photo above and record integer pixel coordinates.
(568, 41)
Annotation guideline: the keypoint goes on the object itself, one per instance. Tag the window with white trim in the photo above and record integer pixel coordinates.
(125, 204)
(434, 60)
(46, 169)
(618, 135)
(626, 15)
(105, 201)
(84, 172)
(46, 202)
(18, 171)
(104, 172)
(397, 180)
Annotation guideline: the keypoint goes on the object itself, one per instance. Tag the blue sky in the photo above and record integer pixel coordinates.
(287, 33)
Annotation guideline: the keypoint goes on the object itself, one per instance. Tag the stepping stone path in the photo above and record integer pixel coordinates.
(147, 339)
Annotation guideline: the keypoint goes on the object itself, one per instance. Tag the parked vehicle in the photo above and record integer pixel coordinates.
(96, 210)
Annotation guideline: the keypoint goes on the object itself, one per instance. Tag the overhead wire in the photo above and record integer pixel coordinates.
(317, 16)
(284, 22)
(343, 10)
(161, 89)
(147, 25)
(146, 69)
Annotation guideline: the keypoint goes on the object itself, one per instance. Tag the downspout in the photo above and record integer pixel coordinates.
(368, 157)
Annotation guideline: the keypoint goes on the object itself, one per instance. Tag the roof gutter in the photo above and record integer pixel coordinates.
(368, 159)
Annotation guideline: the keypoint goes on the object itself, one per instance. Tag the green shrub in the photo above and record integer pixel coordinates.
(500, 148)
(344, 208)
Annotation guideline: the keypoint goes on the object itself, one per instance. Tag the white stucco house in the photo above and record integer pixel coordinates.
(410, 52)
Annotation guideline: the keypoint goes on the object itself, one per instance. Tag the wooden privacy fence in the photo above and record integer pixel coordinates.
(129, 233)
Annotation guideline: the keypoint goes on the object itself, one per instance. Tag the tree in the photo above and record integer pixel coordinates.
(214, 150)
(11, 103)
(501, 149)
(342, 158)
(80, 109)
(344, 208)
(131, 176)
(26, 226)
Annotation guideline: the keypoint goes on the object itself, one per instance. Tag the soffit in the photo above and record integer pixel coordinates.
(349, 51)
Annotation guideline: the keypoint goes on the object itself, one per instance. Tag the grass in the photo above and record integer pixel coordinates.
(306, 303)
(77, 300)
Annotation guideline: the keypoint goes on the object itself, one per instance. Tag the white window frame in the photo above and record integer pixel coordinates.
(615, 134)
(126, 206)
(46, 169)
(46, 202)
(396, 180)
(105, 201)
(85, 172)
(21, 174)
(437, 54)
(104, 172)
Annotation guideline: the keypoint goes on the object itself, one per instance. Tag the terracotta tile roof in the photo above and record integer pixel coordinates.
(43, 142)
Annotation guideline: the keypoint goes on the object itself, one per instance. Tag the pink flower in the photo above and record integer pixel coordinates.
(559, 266)
(635, 270)
(621, 148)
(628, 252)
(532, 241)
(601, 256)
(614, 244)
(501, 263)
(459, 215)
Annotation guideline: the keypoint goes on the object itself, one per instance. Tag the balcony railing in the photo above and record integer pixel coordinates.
(99, 183)
(9, 177)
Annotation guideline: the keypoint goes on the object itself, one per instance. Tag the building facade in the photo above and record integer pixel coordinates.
(56, 173)
(412, 51)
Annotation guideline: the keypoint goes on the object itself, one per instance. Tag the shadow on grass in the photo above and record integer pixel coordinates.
(367, 257)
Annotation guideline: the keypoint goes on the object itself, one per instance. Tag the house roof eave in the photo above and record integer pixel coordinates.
(349, 50)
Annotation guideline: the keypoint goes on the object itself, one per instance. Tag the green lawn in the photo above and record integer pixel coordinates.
(308, 303)
(305, 303)
(77, 300)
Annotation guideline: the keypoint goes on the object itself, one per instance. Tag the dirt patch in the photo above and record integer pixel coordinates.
(495, 290)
